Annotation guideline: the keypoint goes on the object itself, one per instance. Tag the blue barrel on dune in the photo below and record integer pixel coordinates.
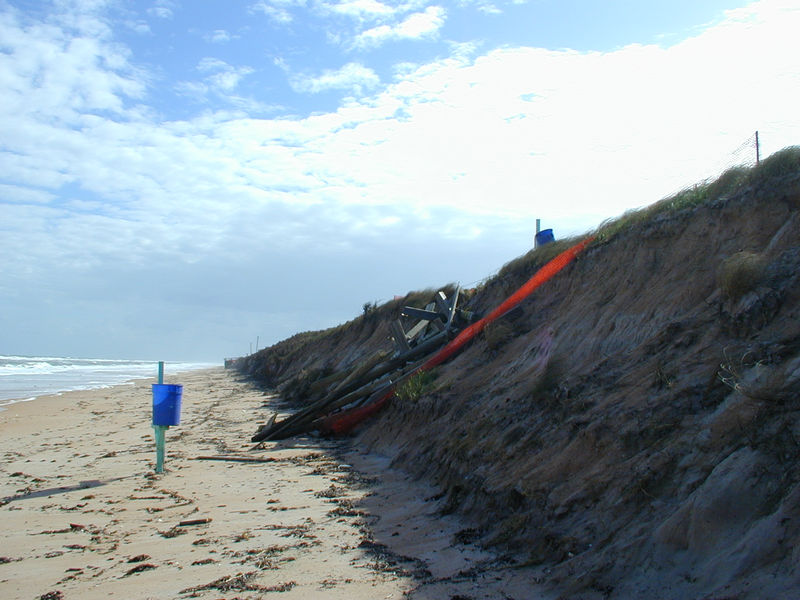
(545, 236)
(167, 404)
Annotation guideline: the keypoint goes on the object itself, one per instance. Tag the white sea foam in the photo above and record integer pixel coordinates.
(26, 377)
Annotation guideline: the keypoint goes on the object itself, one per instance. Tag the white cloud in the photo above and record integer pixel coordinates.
(24, 195)
(469, 147)
(486, 6)
(162, 9)
(139, 27)
(353, 77)
(369, 9)
(219, 36)
(63, 72)
(416, 26)
(279, 11)
(221, 78)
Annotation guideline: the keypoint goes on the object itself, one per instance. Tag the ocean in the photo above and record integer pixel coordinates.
(26, 377)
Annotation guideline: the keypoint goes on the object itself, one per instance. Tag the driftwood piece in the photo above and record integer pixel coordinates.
(230, 458)
(361, 369)
(366, 372)
(378, 390)
(323, 383)
(300, 423)
(356, 390)
(194, 522)
(358, 383)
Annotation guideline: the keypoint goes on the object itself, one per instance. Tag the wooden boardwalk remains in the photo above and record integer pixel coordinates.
(380, 372)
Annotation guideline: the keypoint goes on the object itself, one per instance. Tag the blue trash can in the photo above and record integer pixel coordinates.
(545, 236)
(167, 404)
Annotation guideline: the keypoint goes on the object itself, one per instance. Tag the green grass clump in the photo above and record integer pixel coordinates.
(415, 387)
(741, 273)
(728, 183)
(529, 262)
(782, 163)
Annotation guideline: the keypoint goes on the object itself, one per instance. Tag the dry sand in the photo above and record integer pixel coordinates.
(85, 516)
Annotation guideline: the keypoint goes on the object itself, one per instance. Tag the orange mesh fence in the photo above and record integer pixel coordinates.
(347, 420)
(541, 276)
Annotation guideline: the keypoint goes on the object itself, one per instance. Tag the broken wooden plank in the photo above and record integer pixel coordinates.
(453, 305)
(416, 330)
(362, 368)
(399, 335)
(442, 302)
(194, 522)
(323, 383)
(425, 315)
(231, 458)
(302, 424)
(295, 423)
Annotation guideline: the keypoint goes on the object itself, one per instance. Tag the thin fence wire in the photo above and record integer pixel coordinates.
(746, 155)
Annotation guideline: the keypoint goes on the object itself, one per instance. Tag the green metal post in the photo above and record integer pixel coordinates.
(160, 430)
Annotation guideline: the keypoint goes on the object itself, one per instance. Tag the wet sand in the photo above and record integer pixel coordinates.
(85, 516)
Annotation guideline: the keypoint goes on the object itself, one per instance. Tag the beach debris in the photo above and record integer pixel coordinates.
(55, 595)
(331, 492)
(139, 558)
(72, 527)
(232, 458)
(171, 533)
(364, 382)
(189, 522)
(241, 582)
(140, 568)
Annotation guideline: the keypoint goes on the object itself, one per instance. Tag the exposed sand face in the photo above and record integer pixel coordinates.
(84, 515)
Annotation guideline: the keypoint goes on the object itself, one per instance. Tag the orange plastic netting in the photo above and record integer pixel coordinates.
(347, 420)
(541, 276)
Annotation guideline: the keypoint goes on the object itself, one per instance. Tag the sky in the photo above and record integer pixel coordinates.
(194, 179)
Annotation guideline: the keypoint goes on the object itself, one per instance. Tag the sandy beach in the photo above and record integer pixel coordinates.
(85, 516)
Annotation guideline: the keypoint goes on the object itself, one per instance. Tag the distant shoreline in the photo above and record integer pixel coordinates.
(23, 379)
(133, 381)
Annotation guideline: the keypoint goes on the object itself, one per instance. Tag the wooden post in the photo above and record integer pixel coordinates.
(758, 151)
(160, 430)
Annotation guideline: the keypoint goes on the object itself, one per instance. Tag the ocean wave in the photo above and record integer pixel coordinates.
(25, 377)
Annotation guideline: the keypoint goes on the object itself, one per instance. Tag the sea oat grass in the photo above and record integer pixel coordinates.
(741, 273)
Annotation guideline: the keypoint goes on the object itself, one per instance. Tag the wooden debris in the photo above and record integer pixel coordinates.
(189, 522)
(244, 459)
(377, 374)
